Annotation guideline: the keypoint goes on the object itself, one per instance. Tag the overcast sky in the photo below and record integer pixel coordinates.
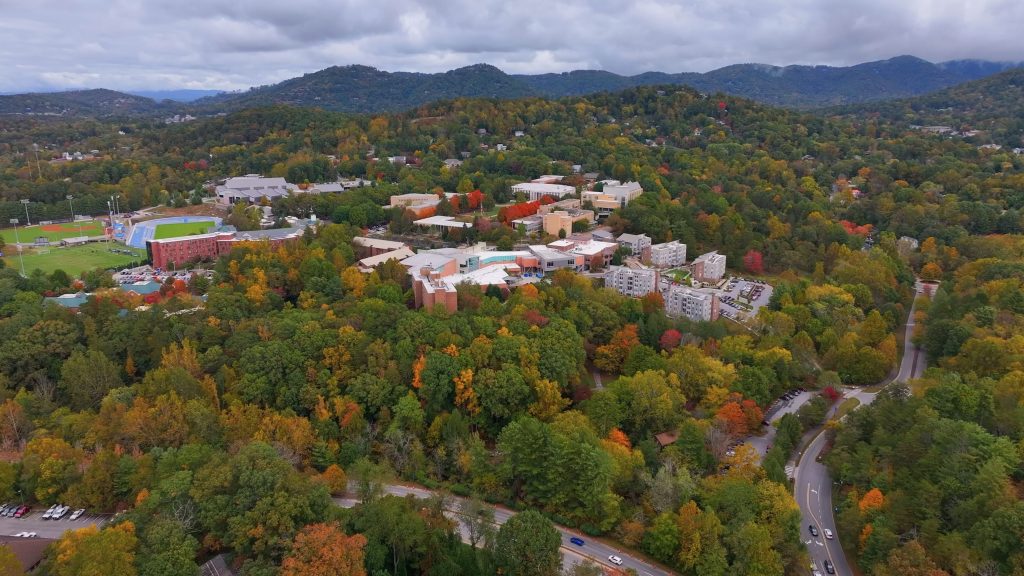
(233, 44)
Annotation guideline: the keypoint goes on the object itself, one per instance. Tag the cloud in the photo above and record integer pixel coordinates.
(234, 44)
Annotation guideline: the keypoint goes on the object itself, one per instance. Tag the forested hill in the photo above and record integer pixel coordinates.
(992, 105)
(99, 102)
(363, 89)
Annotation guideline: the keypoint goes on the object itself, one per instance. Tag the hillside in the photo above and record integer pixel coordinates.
(97, 102)
(365, 89)
(992, 105)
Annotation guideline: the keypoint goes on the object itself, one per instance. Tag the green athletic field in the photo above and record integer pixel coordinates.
(180, 229)
(53, 232)
(73, 259)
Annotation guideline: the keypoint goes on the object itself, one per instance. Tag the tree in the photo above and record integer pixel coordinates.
(527, 545)
(478, 518)
(335, 479)
(753, 262)
(93, 552)
(873, 500)
(662, 539)
(86, 377)
(166, 550)
(324, 550)
(9, 563)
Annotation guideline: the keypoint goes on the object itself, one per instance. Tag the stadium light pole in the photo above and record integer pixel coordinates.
(17, 241)
(69, 197)
(27, 219)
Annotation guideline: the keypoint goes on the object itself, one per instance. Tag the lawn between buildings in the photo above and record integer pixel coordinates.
(73, 259)
(181, 229)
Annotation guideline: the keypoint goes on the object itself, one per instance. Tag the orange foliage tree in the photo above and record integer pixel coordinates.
(324, 550)
(873, 500)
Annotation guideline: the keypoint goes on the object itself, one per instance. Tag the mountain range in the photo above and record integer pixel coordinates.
(362, 89)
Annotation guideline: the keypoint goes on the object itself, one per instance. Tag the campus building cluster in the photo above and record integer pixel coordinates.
(709, 268)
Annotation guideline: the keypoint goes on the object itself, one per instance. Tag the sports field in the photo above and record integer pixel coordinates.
(53, 232)
(74, 259)
(180, 229)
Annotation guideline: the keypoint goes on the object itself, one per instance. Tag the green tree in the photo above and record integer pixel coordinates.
(166, 550)
(527, 545)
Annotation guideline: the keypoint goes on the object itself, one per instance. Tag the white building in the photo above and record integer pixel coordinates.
(638, 244)
(537, 190)
(623, 192)
(635, 281)
(668, 254)
(689, 303)
(709, 267)
(252, 188)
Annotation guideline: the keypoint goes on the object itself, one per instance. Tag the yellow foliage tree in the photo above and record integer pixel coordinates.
(335, 479)
(550, 401)
(465, 396)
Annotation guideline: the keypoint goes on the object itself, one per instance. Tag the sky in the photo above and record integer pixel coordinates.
(235, 44)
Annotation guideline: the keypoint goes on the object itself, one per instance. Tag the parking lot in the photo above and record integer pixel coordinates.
(743, 296)
(33, 522)
(147, 273)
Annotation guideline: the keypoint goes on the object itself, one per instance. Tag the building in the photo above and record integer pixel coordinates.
(252, 189)
(28, 552)
(453, 163)
(436, 274)
(612, 196)
(633, 279)
(529, 223)
(70, 301)
(377, 245)
(686, 302)
(550, 259)
(709, 268)
(537, 190)
(639, 244)
(171, 253)
(668, 254)
(906, 245)
(367, 265)
(596, 255)
(556, 222)
(439, 222)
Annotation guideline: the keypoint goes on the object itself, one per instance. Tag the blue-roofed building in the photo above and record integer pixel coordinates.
(142, 288)
(69, 301)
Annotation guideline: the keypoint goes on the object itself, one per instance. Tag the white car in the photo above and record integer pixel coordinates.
(828, 533)
(615, 560)
(49, 512)
(29, 535)
(77, 514)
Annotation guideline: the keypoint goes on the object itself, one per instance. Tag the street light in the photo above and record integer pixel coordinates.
(27, 219)
(17, 241)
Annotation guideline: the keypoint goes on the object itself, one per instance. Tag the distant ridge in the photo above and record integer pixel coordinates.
(362, 89)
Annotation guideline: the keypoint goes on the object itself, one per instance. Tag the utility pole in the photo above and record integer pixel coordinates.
(17, 241)
(69, 197)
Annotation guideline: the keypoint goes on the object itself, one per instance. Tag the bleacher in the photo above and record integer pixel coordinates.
(140, 233)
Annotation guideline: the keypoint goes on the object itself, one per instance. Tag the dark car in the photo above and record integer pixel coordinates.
(829, 568)
(576, 541)
(813, 529)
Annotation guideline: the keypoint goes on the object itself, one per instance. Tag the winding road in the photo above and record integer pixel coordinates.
(593, 550)
(812, 484)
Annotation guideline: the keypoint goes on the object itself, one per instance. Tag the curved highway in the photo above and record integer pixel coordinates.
(812, 484)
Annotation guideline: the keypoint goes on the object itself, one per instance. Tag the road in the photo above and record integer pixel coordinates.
(33, 522)
(812, 483)
(778, 410)
(593, 550)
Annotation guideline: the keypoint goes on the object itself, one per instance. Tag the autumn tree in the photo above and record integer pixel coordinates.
(527, 545)
(324, 550)
(94, 552)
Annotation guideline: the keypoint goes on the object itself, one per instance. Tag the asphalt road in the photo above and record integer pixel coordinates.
(778, 410)
(592, 550)
(812, 483)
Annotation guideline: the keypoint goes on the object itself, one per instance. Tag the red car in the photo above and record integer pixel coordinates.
(22, 511)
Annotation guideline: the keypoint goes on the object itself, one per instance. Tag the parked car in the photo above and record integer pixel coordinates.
(30, 535)
(828, 533)
(576, 541)
(813, 529)
(22, 511)
(77, 514)
(829, 567)
(615, 560)
(10, 511)
(60, 512)
(49, 512)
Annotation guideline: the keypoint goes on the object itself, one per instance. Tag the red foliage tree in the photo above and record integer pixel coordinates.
(475, 198)
(753, 262)
(732, 417)
(830, 394)
(517, 211)
(670, 339)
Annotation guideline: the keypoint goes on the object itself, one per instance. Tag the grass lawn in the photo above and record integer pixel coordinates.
(52, 231)
(679, 275)
(73, 259)
(846, 407)
(181, 229)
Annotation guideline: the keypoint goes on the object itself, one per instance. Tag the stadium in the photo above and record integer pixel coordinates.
(170, 228)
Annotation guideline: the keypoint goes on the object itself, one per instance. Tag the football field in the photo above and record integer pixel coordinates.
(53, 232)
(181, 229)
(74, 259)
